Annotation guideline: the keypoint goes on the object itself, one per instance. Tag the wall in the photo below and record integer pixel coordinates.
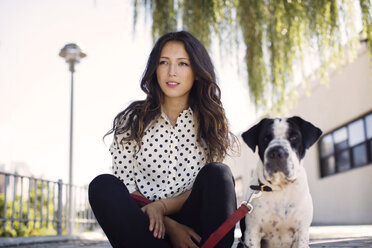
(343, 198)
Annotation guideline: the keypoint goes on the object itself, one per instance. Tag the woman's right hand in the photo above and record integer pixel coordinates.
(181, 236)
(156, 211)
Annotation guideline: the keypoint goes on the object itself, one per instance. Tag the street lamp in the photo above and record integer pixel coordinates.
(72, 54)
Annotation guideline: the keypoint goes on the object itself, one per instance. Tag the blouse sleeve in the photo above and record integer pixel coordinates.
(123, 162)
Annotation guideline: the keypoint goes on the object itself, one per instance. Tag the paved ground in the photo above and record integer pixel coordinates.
(321, 237)
(67, 244)
(341, 236)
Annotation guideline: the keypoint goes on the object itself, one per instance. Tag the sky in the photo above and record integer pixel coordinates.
(35, 83)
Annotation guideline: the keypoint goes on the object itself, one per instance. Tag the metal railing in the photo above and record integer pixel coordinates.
(28, 204)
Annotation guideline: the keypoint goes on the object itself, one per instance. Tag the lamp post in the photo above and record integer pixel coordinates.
(72, 53)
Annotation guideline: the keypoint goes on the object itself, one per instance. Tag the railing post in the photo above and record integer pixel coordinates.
(21, 205)
(28, 202)
(15, 179)
(35, 202)
(6, 180)
(41, 202)
(59, 208)
(47, 208)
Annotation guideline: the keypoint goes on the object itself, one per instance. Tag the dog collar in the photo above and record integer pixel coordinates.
(261, 187)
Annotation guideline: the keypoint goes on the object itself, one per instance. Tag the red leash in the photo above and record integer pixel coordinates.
(226, 226)
(239, 214)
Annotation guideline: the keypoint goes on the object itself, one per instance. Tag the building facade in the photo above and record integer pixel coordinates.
(339, 166)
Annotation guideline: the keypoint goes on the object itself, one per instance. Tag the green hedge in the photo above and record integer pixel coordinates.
(21, 229)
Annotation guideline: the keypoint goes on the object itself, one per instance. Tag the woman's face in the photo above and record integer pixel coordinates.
(174, 72)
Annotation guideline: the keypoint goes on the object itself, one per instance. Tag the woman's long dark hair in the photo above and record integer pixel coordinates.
(205, 100)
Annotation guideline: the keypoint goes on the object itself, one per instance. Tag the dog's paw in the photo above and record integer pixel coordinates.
(242, 245)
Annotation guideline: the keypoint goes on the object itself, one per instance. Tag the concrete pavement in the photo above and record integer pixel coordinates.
(320, 237)
(341, 236)
(89, 239)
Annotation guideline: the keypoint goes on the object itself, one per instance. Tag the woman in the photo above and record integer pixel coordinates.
(168, 149)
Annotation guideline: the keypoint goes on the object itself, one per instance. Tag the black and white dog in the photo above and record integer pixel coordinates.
(282, 215)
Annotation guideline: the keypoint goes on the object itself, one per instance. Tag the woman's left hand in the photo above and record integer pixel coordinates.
(156, 211)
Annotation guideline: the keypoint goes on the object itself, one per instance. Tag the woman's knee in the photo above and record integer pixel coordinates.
(217, 171)
(218, 186)
(102, 184)
(101, 181)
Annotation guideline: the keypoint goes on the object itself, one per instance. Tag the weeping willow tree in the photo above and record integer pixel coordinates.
(278, 36)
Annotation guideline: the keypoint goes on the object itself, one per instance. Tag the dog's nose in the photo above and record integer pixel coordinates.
(277, 153)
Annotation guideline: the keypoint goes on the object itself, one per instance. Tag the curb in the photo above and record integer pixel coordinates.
(18, 241)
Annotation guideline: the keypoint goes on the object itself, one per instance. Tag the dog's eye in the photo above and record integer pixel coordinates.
(266, 139)
(293, 138)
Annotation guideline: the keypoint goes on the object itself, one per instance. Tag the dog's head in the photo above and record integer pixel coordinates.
(282, 143)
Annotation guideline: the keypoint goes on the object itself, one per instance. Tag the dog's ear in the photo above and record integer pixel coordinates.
(310, 133)
(250, 137)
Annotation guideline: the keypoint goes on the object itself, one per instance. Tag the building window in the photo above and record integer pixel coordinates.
(347, 147)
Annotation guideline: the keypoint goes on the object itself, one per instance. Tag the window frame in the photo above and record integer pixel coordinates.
(367, 143)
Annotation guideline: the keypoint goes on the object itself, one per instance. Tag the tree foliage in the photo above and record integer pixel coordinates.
(278, 36)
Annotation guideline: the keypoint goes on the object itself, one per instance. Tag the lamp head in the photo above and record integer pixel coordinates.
(72, 53)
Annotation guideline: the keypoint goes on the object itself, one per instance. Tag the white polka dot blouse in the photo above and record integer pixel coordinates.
(168, 161)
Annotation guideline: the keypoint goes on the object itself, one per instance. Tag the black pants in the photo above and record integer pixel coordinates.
(211, 202)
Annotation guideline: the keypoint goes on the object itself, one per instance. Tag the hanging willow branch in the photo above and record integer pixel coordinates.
(367, 23)
(277, 35)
